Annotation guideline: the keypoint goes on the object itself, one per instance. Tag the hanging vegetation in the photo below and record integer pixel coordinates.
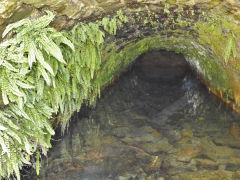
(45, 74)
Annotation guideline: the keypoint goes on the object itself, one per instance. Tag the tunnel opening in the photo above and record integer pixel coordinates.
(161, 66)
(156, 121)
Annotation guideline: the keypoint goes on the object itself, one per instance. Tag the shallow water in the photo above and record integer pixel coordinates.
(143, 129)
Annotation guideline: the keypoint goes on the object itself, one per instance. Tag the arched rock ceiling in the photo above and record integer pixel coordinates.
(205, 31)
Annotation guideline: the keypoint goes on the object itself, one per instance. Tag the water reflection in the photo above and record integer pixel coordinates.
(146, 127)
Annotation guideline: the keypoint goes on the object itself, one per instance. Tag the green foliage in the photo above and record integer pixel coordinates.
(221, 35)
(230, 48)
(44, 74)
(37, 162)
(166, 9)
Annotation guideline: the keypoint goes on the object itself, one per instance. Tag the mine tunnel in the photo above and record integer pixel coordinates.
(119, 89)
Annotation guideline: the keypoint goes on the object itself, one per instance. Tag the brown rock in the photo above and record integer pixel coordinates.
(206, 163)
(208, 175)
(188, 153)
(155, 133)
(235, 131)
(186, 136)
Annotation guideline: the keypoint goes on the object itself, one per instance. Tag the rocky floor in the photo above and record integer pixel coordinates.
(143, 129)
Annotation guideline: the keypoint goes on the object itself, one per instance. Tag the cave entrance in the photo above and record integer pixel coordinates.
(156, 122)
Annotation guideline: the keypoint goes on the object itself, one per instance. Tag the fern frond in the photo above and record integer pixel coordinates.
(15, 25)
(44, 73)
(51, 48)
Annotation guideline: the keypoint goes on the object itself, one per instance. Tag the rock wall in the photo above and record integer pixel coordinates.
(12, 10)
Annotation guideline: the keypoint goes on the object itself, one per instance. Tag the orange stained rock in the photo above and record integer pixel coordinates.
(236, 92)
(234, 77)
(235, 130)
(157, 134)
(153, 131)
(219, 94)
(190, 152)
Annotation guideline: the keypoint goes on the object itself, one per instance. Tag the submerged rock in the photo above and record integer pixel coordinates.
(120, 138)
(208, 175)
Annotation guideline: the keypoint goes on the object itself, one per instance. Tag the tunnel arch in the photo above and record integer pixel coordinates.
(202, 36)
(200, 60)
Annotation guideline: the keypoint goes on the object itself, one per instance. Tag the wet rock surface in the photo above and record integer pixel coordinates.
(69, 10)
(82, 8)
(139, 129)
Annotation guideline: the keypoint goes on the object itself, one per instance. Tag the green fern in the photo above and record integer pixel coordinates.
(44, 74)
(230, 48)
